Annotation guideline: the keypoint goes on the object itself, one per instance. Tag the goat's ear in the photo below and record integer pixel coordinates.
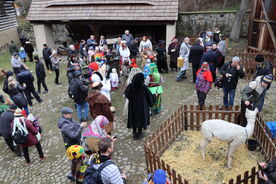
(256, 110)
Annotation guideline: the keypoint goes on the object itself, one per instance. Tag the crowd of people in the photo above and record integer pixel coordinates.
(95, 70)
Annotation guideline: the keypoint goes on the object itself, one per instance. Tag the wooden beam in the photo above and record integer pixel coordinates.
(268, 25)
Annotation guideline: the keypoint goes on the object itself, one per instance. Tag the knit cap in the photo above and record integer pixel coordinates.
(267, 79)
(159, 176)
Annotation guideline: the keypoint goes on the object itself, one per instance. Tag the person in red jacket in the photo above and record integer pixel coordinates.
(32, 138)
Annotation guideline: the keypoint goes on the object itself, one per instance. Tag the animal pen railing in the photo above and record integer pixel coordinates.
(190, 118)
(247, 58)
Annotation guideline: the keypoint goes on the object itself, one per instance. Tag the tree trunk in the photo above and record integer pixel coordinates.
(236, 29)
(224, 4)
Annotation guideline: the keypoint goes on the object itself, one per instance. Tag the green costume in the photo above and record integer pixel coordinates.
(155, 87)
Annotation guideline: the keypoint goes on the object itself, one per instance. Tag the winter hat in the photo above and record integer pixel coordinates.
(18, 112)
(9, 73)
(114, 70)
(36, 58)
(159, 176)
(259, 58)
(267, 79)
(74, 152)
(13, 107)
(66, 110)
(15, 54)
(30, 117)
(103, 120)
(94, 66)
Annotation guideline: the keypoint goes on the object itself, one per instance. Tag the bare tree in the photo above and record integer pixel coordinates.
(236, 29)
(224, 4)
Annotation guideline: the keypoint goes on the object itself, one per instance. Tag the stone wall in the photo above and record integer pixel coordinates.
(191, 24)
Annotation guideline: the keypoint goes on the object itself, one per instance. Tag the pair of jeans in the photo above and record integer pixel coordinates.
(228, 97)
(39, 82)
(180, 75)
(83, 110)
(26, 152)
(261, 99)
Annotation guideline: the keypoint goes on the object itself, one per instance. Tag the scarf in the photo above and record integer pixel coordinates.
(96, 128)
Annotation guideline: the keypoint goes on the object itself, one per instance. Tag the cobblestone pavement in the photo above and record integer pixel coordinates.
(129, 154)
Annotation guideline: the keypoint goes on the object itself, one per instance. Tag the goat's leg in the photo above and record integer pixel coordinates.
(203, 145)
(231, 150)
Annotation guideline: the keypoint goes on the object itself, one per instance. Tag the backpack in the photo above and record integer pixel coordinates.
(92, 175)
(72, 89)
(19, 134)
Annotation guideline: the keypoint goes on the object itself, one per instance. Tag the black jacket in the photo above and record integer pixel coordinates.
(6, 119)
(28, 47)
(81, 91)
(39, 70)
(264, 68)
(195, 55)
(26, 77)
(71, 131)
(270, 172)
(210, 57)
(231, 82)
(46, 53)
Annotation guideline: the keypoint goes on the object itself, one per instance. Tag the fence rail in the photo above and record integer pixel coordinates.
(190, 118)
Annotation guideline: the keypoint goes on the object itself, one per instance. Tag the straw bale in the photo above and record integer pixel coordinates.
(184, 156)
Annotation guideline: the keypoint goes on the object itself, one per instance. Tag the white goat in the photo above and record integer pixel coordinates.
(234, 134)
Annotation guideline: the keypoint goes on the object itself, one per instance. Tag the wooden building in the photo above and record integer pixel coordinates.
(156, 18)
(8, 23)
(262, 25)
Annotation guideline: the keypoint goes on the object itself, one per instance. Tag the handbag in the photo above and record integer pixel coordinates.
(218, 82)
(180, 61)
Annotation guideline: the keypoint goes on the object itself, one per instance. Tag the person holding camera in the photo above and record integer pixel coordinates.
(231, 73)
(55, 65)
(40, 75)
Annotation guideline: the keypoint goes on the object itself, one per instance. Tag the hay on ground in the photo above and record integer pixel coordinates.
(184, 156)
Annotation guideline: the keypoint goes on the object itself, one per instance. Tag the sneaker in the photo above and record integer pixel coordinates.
(40, 101)
(43, 158)
(70, 177)
(38, 92)
(58, 83)
(45, 92)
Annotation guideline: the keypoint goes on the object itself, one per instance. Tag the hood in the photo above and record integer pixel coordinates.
(62, 121)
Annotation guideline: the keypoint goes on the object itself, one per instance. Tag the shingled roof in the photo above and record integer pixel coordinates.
(128, 10)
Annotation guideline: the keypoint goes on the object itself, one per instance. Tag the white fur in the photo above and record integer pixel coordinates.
(114, 79)
(234, 134)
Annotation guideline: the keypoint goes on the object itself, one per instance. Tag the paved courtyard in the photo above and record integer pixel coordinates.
(129, 154)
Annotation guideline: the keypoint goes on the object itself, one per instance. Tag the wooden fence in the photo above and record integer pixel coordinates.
(190, 118)
(247, 58)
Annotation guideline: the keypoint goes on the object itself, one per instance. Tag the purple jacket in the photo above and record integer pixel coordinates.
(202, 84)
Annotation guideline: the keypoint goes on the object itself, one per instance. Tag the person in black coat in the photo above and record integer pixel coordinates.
(25, 76)
(29, 49)
(134, 48)
(40, 75)
(6, 120)
(267, 174)
(80, 95)
(211, 58)
(140, 100)
(195, 55)
(47, 52)
(161, 57)
(231, 73)
(5, 86)
(173, 51)
(16, 92)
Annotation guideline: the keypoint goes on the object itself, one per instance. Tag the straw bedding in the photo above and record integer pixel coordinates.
(184, 156)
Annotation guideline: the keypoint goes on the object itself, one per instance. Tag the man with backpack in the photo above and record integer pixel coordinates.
(80, 92)
(71, 133)
(102, 170)
(6, 120)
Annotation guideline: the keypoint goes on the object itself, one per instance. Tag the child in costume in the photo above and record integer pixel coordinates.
(114, 79)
